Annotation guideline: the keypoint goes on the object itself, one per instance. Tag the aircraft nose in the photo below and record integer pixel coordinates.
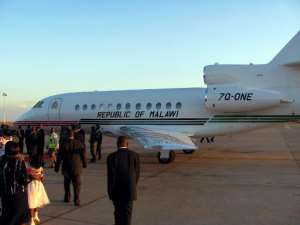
(23, 118)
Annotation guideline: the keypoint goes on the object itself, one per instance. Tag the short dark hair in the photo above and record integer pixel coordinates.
(122, 140)
(11, 148)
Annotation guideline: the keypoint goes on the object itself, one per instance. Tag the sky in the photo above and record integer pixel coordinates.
(55, 46)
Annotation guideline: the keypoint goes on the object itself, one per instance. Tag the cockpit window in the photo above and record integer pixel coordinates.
(39, 104)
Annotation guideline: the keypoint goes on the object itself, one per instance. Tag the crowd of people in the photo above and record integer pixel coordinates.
(22, 191)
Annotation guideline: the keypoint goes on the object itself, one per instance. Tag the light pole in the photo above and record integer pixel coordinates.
(4, 106)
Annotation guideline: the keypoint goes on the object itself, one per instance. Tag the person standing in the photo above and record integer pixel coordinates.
(21, 136)
(32, 143)
(123, 172)
(64, 134)
(93, 144)
(99, 141)
(72, 156)
(27, 138)
(13, 186)
(52, 146)
(37, 196)
(41, 143)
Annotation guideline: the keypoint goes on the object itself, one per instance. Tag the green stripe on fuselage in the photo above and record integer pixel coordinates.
(254, 118)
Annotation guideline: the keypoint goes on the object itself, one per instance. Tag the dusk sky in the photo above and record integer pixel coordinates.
(54, 46)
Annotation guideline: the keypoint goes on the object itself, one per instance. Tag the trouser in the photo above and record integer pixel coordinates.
(99, 143)
(76, 182)
(123, 212)
(15, 209)
(52, 157)
(93, 150)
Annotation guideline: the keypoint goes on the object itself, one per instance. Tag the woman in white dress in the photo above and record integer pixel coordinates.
(37, 196)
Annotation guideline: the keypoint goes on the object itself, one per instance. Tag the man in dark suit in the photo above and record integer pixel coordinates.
(72, 156)
(123, 168)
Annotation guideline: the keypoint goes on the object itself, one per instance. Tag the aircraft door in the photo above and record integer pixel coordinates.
(54, 109)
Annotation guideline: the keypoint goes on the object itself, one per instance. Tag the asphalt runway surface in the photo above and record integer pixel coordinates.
(247, 179)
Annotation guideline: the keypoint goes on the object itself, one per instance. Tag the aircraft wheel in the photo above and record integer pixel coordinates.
(188, 151)
(166, 157)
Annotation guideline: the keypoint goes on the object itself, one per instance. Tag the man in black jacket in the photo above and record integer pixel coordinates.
(72, 156)
(123, 168)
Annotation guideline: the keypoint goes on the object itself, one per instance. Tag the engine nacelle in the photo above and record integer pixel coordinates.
(231, 99)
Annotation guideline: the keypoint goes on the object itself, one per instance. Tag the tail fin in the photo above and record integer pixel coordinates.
(290, 54)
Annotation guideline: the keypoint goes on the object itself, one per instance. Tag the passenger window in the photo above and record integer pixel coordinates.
(148, 106)
(84, 107)
(101, 106)
(138, 106)
(110, 106)
(77, 107)
(168, 105)
(119, 106)
(158, 106)
(127, 106)
(93, 107)
(178, 105)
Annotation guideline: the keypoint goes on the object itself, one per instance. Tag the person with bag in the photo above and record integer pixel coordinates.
(13, 186)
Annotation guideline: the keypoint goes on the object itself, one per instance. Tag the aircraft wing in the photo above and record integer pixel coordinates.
(159, 139)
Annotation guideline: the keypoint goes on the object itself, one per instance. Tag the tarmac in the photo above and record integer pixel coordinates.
(247, 179)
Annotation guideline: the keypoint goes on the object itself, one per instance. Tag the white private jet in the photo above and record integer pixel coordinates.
(237, 98)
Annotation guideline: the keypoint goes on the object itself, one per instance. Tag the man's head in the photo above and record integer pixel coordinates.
(11, 148)
(76, 127)
(122, 142)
